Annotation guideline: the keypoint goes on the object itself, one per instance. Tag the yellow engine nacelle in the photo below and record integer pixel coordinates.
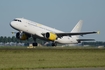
(21, 36)
(51, 36)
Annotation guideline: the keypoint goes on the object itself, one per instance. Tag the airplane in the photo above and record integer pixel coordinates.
(27, 28)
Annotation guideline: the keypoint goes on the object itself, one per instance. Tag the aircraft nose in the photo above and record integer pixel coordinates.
(11, 24)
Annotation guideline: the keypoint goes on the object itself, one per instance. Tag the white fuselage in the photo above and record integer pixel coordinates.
(37, 29)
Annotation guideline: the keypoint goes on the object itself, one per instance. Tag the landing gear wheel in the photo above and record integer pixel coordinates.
(35, 44)
(54, 44)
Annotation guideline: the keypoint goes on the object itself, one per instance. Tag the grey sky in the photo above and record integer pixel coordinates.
(60, 14)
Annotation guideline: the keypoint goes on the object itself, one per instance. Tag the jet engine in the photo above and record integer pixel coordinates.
(22, 36)
(51, 36)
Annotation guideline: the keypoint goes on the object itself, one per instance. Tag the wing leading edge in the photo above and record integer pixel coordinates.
(72, 34)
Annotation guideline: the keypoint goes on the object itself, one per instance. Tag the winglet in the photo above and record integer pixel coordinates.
(98, 32)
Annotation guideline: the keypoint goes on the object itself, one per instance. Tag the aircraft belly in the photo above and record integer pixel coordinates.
(66, 40)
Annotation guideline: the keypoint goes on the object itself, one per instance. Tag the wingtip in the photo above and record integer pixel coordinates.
(98, 32)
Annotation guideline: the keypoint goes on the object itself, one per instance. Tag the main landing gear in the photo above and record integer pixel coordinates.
(54, 44)
(35, 43)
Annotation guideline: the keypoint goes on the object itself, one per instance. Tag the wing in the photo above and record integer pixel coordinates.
(71, 34)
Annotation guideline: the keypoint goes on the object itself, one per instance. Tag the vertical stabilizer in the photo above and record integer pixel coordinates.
(77, 29)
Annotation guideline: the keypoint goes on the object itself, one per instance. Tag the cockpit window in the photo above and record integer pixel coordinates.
(17, 20)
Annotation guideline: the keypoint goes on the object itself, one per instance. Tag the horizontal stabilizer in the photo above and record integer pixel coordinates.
(79, 40)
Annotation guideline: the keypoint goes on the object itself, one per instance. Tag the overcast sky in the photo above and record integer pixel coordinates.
(59, 14)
